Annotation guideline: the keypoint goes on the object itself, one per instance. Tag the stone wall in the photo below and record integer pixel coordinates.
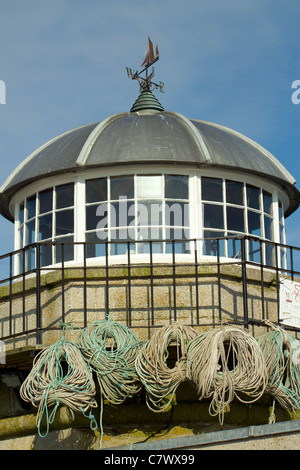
(80, 298)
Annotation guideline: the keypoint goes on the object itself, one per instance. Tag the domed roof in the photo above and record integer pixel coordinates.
(148, 135)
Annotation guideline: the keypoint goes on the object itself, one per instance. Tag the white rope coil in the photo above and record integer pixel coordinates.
(50, 384)
(110, 349)
(151, 365)
(225, 363)
(282, 354)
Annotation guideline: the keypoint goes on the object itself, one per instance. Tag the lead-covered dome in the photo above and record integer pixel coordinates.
(148, 135)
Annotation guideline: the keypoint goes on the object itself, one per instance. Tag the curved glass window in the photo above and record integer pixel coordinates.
(47, 216)
(138, 208)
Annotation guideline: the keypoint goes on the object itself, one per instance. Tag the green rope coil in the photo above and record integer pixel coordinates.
(281, 352)
(159, 380)
(225, 363)
(59, 376)
(110, 350)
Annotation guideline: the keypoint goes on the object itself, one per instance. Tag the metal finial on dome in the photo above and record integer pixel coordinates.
(147, 100)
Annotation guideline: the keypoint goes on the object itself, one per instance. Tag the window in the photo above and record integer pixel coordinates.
(137, 207)
(45, 217)
(231, 208)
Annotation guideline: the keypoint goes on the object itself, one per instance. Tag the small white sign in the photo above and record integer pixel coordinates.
(289, 309)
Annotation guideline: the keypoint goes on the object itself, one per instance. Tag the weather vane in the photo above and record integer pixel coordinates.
(146, 82)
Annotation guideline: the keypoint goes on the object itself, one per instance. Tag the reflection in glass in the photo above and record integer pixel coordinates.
(45, 226)
(96, 245)
(213, 216)
(45, 199)
(235, 219)
(176, 187)
(96, 190)
(64, 222)
(30, 205)
(64, 250)
(96, 216)
(211, 245)
(121, 187)
(234, 192)
(253, 196)
(64, 195)
(254, 223)
(212, 189)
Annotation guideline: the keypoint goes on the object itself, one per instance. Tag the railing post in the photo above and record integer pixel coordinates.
(38, 295)
(244, 282)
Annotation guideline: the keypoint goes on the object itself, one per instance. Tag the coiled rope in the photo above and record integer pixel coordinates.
(224, 363)
(60, 376)
(281, 352)
(110, 349)
(151, 365)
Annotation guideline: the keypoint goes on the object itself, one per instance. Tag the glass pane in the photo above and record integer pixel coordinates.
(212, 189)
(179, 247)
(64, 195)
(253, 196)
(234, 247)
(45, 226)
(96, 216)
(96, 245)
(270, 254)
(64, 222)
(176, 187)
(234, 192)
(123, 186)
(45, 255)
(122, 213)
(124, 236)
(65, 251)
(21, 214)
(177, 213)
(149, 187)
(150, 233)
(280, 211)
(30, 206)
(213, 216)
(30, 257)
(254, 251)
(254, 223)
(211, 246)
(268, 228)
(45, 198)
(267, 197)
(30, 232)
(96, 190)
(235, 219)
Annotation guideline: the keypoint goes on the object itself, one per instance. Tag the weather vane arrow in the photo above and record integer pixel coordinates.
(146, 82)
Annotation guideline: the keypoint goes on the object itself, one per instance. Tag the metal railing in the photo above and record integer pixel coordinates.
(194, 254)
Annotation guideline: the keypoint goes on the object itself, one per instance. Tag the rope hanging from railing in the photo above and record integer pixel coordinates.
(160, 381)
(110, 349)
(60, 376)
(225, 363)
(282, 355)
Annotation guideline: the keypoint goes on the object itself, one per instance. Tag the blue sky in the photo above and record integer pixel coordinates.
(231, 62)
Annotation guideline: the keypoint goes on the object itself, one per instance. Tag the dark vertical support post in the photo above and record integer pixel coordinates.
(151, 287)
(277, 281)
(106, 282)
(292, 263)
(244, 282)
(129, 286)
(196, 282)
(10, 293)
(38, 294)
(262, 287)
(23, 288)
(174, 280)
(219, 280)
(62, 283)
(84, 287)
